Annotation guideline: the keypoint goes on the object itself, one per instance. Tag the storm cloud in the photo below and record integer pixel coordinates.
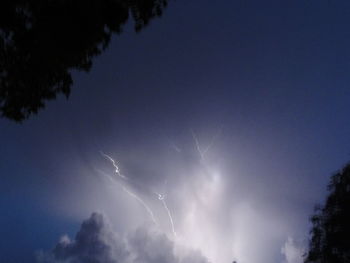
(96, 242)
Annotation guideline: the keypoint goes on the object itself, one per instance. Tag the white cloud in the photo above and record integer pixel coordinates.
(96, 242)
(293, 251)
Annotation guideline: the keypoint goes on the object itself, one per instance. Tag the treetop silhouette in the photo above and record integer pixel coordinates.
(330, 233)
(42, 41)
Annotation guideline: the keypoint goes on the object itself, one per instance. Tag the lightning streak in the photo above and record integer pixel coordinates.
(201, 152)
(213, 139)
(117, 171)
(143, 203)
(197, 144)
(162, 199)
(175, 147)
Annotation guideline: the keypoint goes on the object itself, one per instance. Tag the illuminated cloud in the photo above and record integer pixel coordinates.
(216, 212)
(96, 242)
(293, 251)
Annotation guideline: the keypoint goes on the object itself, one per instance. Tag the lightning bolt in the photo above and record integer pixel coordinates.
(175, 147)
(125, 189)
(197, 144)
(213, 139)
(117, 170)
(143, 203)
(162, 199)
(201, 152)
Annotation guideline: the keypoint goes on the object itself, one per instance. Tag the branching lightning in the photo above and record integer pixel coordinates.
(213, 139)
(125, 189)
(162, 199)
(201, 152)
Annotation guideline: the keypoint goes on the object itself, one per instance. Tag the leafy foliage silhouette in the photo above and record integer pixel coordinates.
(330, 233)
(42, 41)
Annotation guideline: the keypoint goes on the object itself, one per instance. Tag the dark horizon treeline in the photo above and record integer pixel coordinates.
(42, 41)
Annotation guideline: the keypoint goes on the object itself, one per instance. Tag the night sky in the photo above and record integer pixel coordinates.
(236, 112)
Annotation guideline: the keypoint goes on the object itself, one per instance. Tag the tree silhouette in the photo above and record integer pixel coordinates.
(330, 233)
(42, 41)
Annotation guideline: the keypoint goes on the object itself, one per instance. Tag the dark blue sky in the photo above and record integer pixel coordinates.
(272, 75)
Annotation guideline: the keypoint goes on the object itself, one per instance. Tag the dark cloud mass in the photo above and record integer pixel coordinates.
(96, 242)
